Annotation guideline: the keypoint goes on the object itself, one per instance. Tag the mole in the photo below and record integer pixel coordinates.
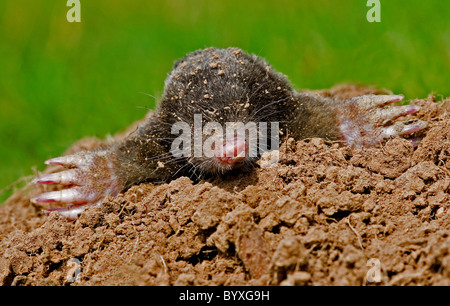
(206, 92)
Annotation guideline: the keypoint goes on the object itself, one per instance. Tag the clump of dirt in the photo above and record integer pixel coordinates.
(326, 214)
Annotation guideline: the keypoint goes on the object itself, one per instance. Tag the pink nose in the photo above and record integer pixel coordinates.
(232, 151)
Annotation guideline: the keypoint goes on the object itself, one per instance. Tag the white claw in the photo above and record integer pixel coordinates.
(76, 195)
(390, 113)
(71, 212)
(412, 128)
(61, 160)
(68, 160)
(69, 177)
(387, 99)
(400, 128)
(371, 101)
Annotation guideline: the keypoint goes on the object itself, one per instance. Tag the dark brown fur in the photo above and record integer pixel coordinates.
(224, 85)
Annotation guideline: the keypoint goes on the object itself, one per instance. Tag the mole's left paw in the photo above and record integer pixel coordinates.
(89, 178)
(367, 120)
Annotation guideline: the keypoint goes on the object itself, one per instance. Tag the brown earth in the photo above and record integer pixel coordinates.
(326, 214)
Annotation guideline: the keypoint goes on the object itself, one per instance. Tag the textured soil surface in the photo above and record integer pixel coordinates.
(326, 214)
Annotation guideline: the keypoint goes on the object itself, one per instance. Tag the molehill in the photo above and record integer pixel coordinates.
(326, 214)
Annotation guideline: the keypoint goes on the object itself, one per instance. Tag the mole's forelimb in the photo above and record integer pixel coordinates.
(362, 121)
(91, 177)
(367, 120)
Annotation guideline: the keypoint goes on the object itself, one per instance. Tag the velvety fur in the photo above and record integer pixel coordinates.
(224, 85)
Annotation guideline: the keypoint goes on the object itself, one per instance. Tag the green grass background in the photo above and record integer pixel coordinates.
(61, 81)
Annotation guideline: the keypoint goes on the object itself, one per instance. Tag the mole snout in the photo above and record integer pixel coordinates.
(232, 152)
(220, 153)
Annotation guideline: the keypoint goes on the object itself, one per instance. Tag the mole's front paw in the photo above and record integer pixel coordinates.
(367, 120)
(89, 179)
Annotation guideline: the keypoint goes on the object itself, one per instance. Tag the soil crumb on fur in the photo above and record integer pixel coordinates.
(324, 215)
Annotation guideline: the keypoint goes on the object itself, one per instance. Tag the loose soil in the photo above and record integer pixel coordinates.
(326, 214)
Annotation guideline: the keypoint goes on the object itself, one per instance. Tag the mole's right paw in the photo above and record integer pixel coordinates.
(366, 120)
(89, 179)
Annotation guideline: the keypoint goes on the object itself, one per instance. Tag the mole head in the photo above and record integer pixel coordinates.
(226, 103)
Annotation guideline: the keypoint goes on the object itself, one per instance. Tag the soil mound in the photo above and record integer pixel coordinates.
(326, 214)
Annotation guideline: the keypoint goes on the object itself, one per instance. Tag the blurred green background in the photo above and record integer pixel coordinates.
(61, 81)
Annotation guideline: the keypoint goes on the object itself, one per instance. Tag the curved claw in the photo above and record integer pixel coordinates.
(75, 195)
(68, 177)
(69, 161)
(71, 212)
(385, 114)
(371, 101)
(402, 128)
